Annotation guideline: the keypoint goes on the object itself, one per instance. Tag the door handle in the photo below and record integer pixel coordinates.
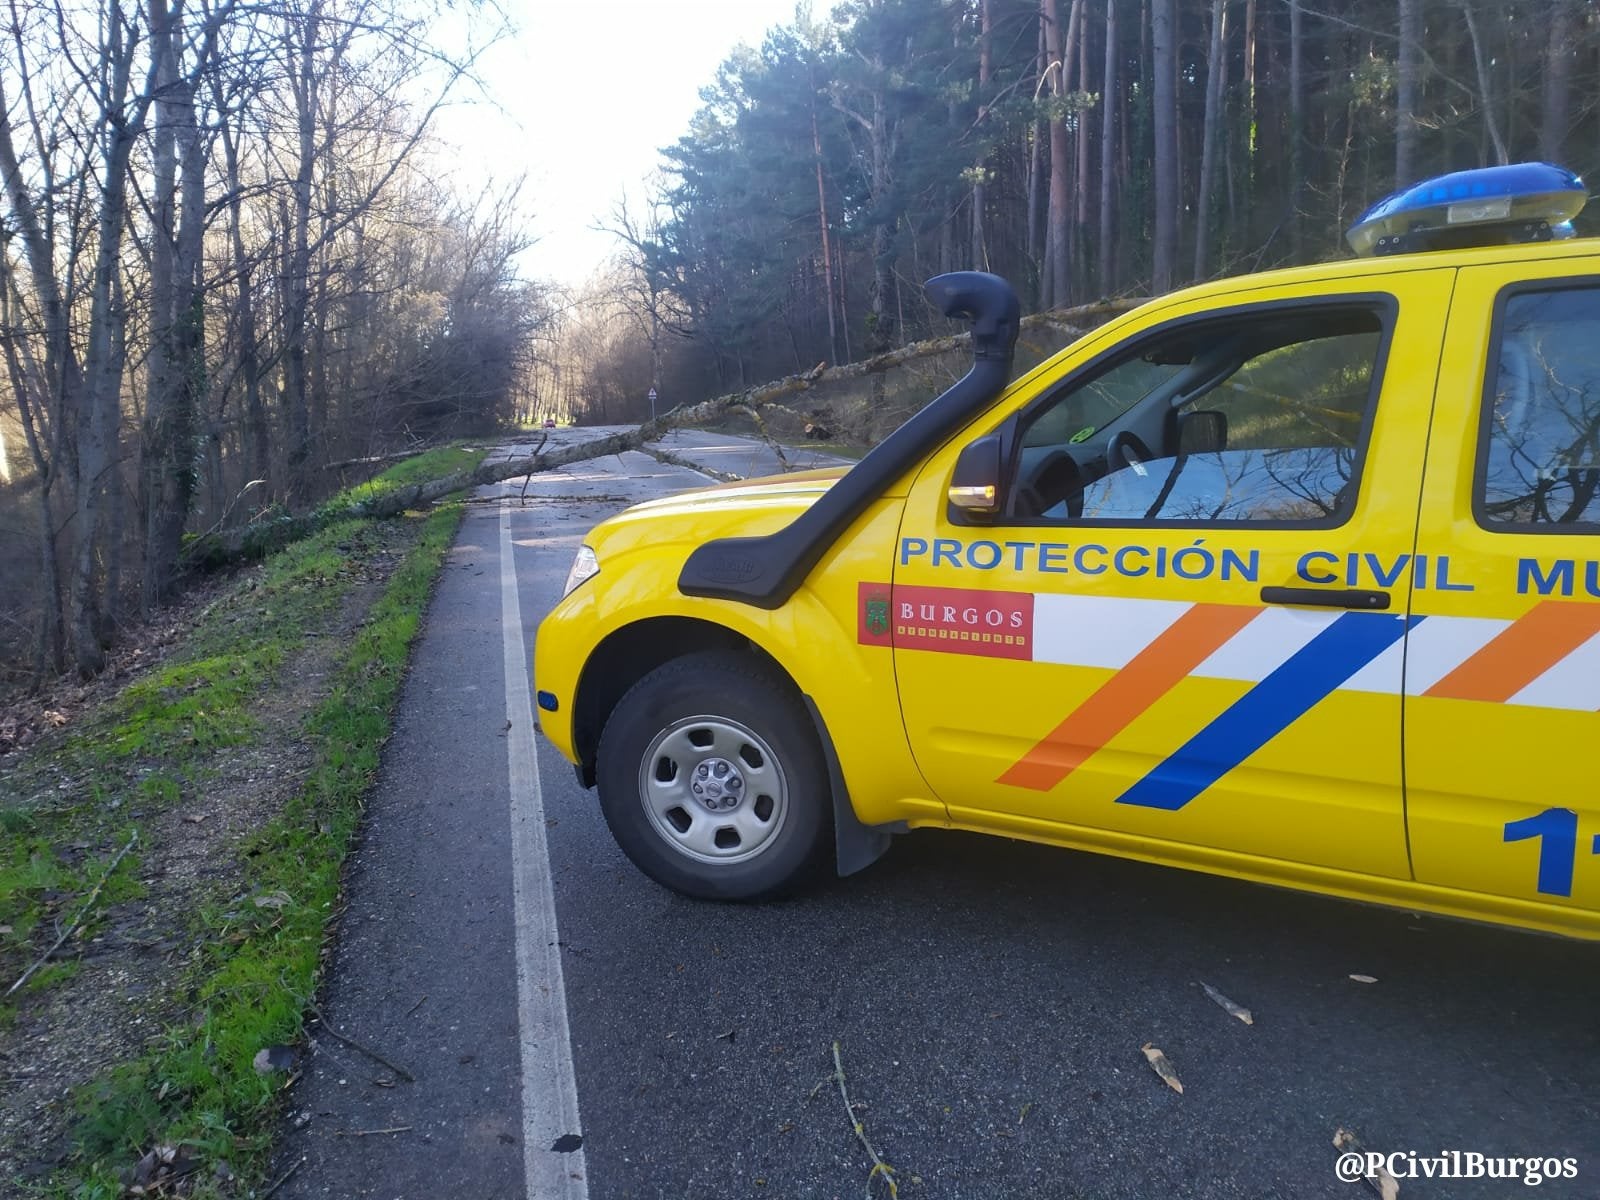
(1358, 598)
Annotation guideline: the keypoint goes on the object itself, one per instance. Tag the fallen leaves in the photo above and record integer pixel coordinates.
(1159, 1064)
(158, 1170)
(1385, 1184)
(1227, 1005)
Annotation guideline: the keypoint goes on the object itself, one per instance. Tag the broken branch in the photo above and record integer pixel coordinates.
(879, 1167)
(327, 1027)
(283, 1179)
(371, 1132)
(77, 920)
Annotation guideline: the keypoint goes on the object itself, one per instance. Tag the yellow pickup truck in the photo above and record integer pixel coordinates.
(1293, 577)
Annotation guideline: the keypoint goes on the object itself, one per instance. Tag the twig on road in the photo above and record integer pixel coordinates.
(327, 1027)
(879, 1167)
(77, 920)
(283, 1179)
(371, 1132)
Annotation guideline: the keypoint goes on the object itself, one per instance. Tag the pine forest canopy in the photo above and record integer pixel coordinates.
(1081, 148)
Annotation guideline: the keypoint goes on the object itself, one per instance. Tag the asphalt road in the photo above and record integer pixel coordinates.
(990, 998)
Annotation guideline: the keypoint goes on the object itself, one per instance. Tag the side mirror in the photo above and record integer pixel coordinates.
(1202, 431)
(975, 483)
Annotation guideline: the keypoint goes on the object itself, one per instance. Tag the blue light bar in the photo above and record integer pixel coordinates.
(1490, 206)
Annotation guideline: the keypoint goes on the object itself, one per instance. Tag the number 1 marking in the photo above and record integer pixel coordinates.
(1557, 831)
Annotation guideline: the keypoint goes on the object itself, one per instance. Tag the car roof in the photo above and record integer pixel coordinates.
(1422, 260)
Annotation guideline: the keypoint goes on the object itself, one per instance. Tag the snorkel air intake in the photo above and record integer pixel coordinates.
(766, 571)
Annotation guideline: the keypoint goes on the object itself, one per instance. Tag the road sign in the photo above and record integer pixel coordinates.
(652, 404)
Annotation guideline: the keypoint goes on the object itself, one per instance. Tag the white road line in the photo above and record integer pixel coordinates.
(549, 1086)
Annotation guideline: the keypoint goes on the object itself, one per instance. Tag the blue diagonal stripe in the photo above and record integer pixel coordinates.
(1266, 710)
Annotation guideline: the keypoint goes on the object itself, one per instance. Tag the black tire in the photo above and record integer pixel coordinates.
(760, 828)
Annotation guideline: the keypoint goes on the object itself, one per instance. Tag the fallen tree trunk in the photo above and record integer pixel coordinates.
(261, 537)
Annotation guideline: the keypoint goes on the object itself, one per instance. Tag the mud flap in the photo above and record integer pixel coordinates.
(856, 846)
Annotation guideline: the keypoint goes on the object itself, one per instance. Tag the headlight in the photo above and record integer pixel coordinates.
(584, 566)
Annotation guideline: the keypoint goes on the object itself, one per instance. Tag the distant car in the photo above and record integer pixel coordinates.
(549, 422)
(1293, 577)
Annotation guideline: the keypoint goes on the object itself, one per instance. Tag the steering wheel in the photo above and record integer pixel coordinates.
(1056, 480)
(1127, 449)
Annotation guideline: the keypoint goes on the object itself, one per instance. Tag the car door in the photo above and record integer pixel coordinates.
(1187, 626)
(1503, 672)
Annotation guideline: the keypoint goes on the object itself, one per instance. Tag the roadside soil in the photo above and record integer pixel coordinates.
(126, 986)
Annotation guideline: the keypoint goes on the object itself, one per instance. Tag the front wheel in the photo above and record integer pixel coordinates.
(712, 781)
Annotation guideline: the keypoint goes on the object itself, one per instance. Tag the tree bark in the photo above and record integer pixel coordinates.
(1407, 88)
(1108, 144)
(1164, 96)
(102, 392)
(1061, 53)
(51, 656)
(822, 221)
(167, 445)
(297, 264)
(980, 189)
(1491, 123)
(1555, 101)
(1297, 121)
(1080, 183)
(885, 298)
(1216, 75)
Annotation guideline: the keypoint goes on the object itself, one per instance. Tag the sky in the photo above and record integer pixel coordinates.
(580, 98)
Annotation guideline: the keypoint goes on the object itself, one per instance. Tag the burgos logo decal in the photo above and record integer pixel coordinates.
(874, 613)
(953, 620)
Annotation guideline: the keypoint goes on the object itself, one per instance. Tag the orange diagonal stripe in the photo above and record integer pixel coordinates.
(1521, 652)
(1152, 673)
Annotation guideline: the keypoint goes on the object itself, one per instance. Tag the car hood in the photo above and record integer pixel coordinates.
(792, 493)
(749, 508)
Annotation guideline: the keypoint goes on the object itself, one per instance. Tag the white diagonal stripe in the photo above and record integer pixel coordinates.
(1438, 645)
(1264, 645)
(1574, 682)
(1098, 631)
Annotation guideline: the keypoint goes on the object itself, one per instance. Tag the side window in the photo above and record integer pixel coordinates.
(1256, 420)
(1539, 458)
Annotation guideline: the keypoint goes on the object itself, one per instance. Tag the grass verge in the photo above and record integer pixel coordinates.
(258, 937)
